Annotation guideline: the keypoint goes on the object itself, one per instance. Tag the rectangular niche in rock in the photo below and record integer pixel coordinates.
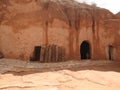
(36, 54)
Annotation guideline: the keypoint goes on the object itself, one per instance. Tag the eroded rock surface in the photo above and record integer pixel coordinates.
(66, 23)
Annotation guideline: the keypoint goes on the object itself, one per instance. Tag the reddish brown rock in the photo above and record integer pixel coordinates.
(25, 24)
(118, 15)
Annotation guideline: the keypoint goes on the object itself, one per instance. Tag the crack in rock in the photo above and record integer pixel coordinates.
(84, 79)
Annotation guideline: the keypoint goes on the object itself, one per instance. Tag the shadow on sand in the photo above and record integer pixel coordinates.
(105, 67)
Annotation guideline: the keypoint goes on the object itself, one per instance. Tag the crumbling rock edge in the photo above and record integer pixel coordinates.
(13, 65)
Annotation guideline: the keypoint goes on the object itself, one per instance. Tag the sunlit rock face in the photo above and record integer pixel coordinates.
(25, 24)
(117, 15)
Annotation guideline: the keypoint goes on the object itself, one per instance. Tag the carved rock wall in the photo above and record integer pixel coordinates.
(25, 24)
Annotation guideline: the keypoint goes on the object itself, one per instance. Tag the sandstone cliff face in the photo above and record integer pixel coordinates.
(113, 29)
(117, 15)
(28, 23)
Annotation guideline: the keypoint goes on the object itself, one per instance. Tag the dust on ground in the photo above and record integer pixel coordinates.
(70, 75)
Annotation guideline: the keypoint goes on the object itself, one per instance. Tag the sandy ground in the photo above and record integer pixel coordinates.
(71, 75)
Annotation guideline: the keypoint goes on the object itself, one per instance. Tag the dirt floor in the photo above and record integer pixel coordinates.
(71, 75)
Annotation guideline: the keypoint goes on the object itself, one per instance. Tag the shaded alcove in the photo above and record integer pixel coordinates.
(85, 50)
(110, 52)
(36, 54)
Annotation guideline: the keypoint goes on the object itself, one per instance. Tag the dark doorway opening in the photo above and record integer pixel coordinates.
(36, 54)
(110, 52)
(85, 50)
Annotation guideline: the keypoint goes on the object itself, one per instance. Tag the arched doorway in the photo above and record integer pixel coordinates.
(85, 50)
